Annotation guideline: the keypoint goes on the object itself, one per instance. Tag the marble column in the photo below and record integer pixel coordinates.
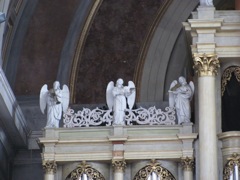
(188, 165)
(206, 67)
(118, 167)
(50, 168)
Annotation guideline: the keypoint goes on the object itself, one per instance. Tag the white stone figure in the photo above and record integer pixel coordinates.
(206, 3)
(180, 95)
(56, 101)
(2, 17)
(118, 98)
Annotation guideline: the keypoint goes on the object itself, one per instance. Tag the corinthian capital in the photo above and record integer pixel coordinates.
(206, 64)
(187, 163)
(49, 166)
(119, 165)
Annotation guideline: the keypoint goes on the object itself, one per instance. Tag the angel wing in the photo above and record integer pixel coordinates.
(132, 96)
(109, 95)
(171, 97)
(173, 85)
(65, 98)
(192, 87)
(43, 97)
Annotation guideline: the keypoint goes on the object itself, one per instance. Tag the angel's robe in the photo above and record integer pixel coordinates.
(182, 103)
(120, 104)
(54, 108)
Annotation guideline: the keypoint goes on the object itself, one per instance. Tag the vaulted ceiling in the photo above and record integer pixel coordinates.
(87, 43)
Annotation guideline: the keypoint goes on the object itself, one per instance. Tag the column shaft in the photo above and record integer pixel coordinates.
(49, 176)
(207, 128)
(118, 175)
(188, 175)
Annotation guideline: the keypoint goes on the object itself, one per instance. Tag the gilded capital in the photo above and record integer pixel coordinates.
(206, 64)
(187, 163)
(119, 165)
(233, 161)
(49, 166)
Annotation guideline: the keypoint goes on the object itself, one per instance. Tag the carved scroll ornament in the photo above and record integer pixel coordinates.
(49, 166)
(187, 163)
(84, 168)
(119, 165)
(233, 161)
(146, 171)
(141, 116)
(227, 74)
(206, 64)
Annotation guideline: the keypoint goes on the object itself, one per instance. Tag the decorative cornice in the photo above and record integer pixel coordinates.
(233, 161)
(205, 64)
(187, 163)
(84, 168)
(49, 166)
(119, 165)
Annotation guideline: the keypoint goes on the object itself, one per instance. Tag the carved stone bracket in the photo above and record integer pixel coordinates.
(233, 161)
(119, 165)
(187, 163)
(206, 64)
(49, 166)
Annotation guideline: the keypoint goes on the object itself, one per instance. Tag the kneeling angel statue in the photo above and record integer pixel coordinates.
(118, 97)
(180, 95)
(56, 100)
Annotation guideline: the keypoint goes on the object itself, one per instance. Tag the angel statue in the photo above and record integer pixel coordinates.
(180, 95)
(118, 98)
(56, 100)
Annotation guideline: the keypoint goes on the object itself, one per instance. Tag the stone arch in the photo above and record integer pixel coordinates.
(167, 52)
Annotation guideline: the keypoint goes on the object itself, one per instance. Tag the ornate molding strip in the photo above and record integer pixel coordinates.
(154, 166)
(140, 116)
(119, 165)
(206, 64)
(84, 168)
(227, 74)
(49, 166)
(233, 161)
(188, 163)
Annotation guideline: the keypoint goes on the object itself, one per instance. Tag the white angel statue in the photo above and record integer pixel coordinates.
(180, 95)
(118, 98)
(56, 101)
